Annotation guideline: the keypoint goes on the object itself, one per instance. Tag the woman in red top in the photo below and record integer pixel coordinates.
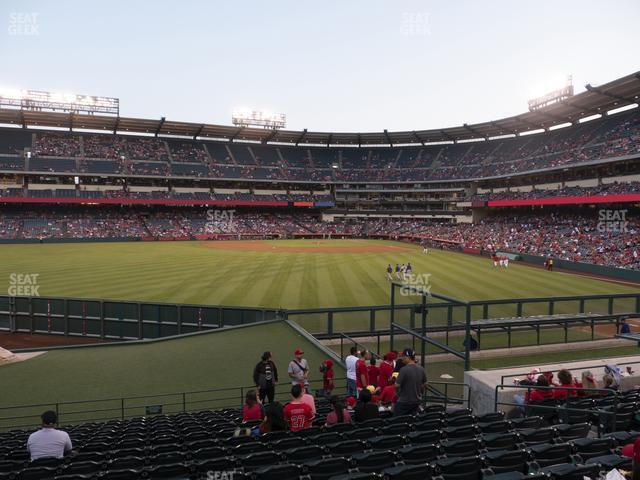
(539, 394)
(566, 381)
(338, 414)
(252, 409)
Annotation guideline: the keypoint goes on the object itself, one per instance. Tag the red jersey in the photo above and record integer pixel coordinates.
(361, 371)
(298, 415)
(327, 380)
(389, 394)
(373, 372)
(386, 370)
(538, 396)
(563, 394)
(252, 413)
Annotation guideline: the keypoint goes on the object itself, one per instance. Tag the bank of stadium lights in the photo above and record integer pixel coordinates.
(552, 96)
(247, 117)
(64, 102)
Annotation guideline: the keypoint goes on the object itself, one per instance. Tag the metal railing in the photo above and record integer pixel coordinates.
(114, 408)
(113, 319)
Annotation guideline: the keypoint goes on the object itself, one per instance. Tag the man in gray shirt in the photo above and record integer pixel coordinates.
(411, 383)
(299, 370)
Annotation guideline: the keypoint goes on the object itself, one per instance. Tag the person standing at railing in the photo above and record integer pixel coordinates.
(411, 384)
(362, 374)
(265, 377)
(350, 362)
(299, 370)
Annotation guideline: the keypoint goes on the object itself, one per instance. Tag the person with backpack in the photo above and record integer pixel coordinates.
(265, 377)
(299, 370)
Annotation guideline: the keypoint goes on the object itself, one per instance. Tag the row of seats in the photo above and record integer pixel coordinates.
(453, 444)
(404, 463)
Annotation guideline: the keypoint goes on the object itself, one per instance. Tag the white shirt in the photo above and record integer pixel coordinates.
(48, 442)
(350, 361)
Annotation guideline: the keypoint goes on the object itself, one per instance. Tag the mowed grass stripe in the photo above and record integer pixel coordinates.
(189, 272)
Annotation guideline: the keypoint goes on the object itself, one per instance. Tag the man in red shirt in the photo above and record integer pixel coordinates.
(373, 372)
(362, 374)
(385, 370)
(297, 414)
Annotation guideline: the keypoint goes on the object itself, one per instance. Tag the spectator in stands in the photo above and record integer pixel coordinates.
(535, 395)
(265, 377)
(309, 400)
(608, 383)
(588, 381)
(373, 372)
(388, 394)
(273, 420)
(624, 326)
(350, 362)
(299, 369)
(49, 442)
(365, 409)
(385, 371)
(616, 376)
(327, 377)
(411, 383)
(298, 414)
(351, 403)
(252, 409)
(338, 413)
(362, 374)
(566, 381)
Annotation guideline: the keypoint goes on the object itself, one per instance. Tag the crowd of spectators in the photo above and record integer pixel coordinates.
(167, 195)
(614, 136)
(56, 145)
(580, 237)
(615, 188)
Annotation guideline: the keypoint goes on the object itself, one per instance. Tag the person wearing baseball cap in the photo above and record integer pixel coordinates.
(410, 384)
(299, 370)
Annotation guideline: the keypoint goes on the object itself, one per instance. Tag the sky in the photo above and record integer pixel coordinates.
(331, 65)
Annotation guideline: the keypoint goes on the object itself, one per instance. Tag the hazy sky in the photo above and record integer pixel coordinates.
(328, 65)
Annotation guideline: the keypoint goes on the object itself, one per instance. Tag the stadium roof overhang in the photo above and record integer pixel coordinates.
(595, 100)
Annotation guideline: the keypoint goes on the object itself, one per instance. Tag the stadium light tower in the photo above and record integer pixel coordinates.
(64, 102)
(554, 96)
(245, 117)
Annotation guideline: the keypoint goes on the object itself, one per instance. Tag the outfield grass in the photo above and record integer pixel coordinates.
(187, 272)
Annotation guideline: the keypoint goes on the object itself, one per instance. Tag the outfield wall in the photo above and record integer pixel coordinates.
(586, 268)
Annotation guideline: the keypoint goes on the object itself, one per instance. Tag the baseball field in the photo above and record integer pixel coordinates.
(288, 274)
(279, 273)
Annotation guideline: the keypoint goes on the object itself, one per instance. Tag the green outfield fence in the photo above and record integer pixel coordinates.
(120, 320)
(128, 320)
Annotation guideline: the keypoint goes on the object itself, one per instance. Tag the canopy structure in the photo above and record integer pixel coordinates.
(594, 101)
